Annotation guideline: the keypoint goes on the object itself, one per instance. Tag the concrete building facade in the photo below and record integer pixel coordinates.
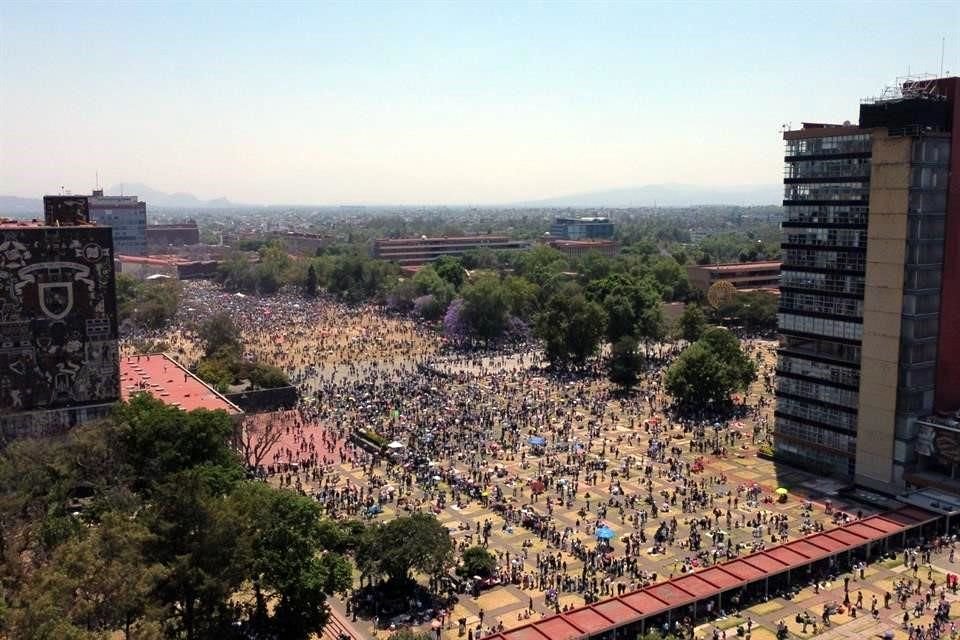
(742, 275)
(580, 248)
(127, 216)
(162, 236)
(582, 228)
(864, 286)
(58, 322)
(418, 251)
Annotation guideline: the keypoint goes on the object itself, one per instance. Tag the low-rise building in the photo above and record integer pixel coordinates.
(166, 380)
(582, 228)
(126, 215)
(171, 266)
(742, 275)
(161, 236)
(416, 251)
(579, 248)
(58, 321)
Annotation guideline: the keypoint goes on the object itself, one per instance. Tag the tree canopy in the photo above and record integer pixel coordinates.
(709, 370)
(570, 326)
(144, 526)
(418, 542)
(623, 368)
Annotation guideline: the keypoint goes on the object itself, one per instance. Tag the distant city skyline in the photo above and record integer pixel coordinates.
(436, 103)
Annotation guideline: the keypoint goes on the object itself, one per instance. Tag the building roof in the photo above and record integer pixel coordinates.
(583, 243)
(482, 238)
(14, 223)
(164, 379)
(738, 266)
(714, 580)
(818, 130)
(158, 261)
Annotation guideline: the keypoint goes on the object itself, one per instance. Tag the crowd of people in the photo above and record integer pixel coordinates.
(560, 455)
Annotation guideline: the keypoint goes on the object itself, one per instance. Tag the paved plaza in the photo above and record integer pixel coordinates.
(606, 459)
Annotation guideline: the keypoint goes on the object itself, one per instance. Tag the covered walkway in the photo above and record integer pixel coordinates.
(754, 577)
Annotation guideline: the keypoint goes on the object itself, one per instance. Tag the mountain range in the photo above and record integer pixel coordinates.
(667, 195)
(33, 207)
(660, 195)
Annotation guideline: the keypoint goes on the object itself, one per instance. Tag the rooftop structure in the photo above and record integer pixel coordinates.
(165, 379)
(579, 248)
(166, 235)
(58, 321)
(871, 264)
(631, 614)
(173, 266)
(581, 228)
(742, 275)
(126, 215)
(418, 251)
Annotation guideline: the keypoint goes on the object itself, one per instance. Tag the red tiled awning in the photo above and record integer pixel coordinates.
(557, 628)
(787, 556)
(825, 541)
(645, 603)
(619, 611)
(765, 563)
(808, 549)
(847, 537)
(527, 632)
(671, 594)
(864, 530)
(588, 619)
(720, 578)
(695, 586)
(608, 614)
(744, 571)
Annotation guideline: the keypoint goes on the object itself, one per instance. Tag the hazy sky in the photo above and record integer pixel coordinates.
(401, 102)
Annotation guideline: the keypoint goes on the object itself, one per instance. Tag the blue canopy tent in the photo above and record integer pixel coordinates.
(537, 441)
(605, 533)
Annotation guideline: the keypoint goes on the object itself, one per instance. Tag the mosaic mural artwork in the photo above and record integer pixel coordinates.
(58, 325)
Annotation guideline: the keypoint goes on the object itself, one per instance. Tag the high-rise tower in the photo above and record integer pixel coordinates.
(869, 313)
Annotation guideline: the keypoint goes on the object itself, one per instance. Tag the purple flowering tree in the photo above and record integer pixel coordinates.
(425, 306)
(517, 329)
(456, 328)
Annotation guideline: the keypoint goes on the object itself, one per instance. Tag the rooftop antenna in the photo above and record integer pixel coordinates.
(943, 44)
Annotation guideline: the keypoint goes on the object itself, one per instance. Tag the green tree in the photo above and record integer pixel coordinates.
(159, 439)
(98, 583)
(418, 542)
(541, 264)
(709, 370)
(428, 282)
(621, 319)
(485, 307)
(477, 561)
(451, 269)
(312, 281)
(218, 332)
(692, 323)
(623, 369)
(127, 290)
(521, 296)
(409, 634)
(570, 326)
(157, 303)
(282, 532)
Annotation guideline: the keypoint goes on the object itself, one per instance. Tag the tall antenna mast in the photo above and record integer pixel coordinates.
(943, 44)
